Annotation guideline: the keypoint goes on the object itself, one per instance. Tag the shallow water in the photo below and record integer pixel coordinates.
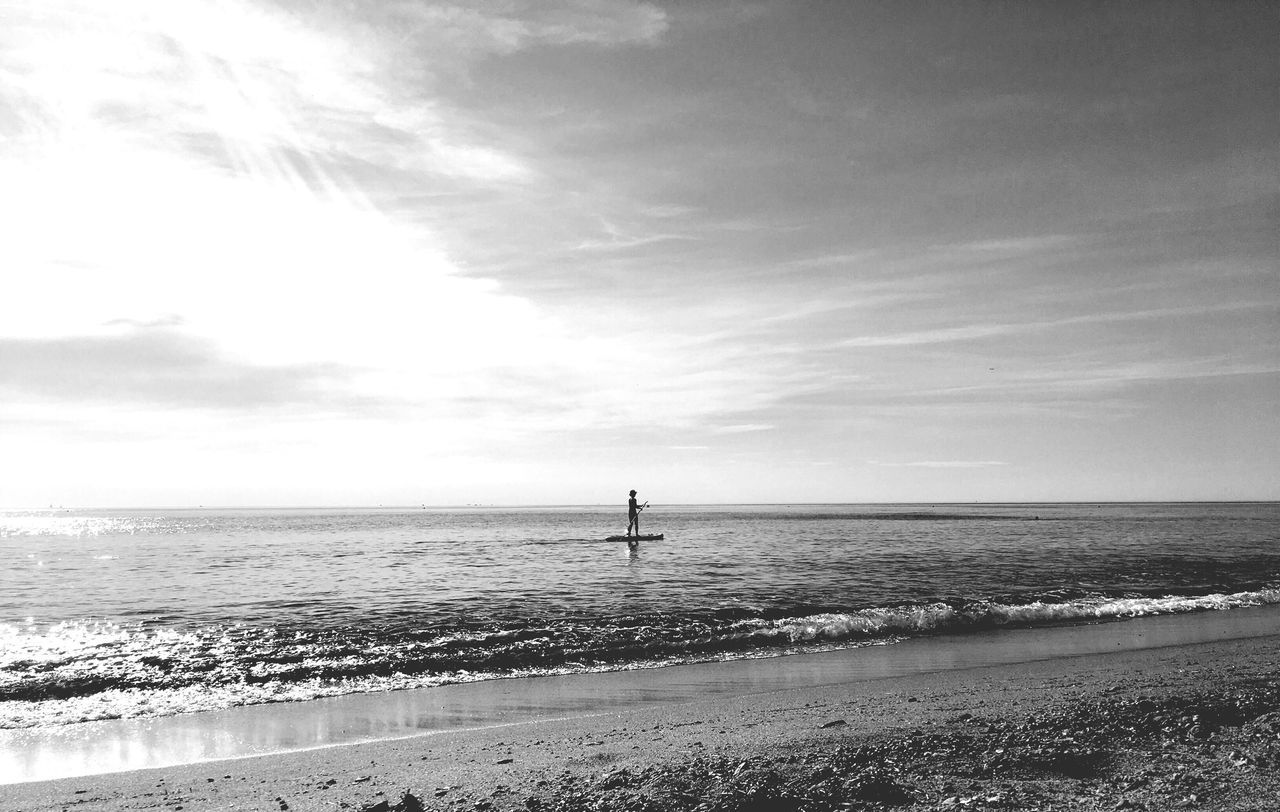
(111, 614)
(90, 748)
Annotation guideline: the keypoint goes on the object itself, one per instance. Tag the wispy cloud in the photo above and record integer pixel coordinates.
(973, 332)
(484, 27)
(165, 368)
(940, 336)
(287, 96)
(618, 239)
(668, 211)
(939, 464)
(493, 231)
(1078, 379)
(1014, 245)
(743, 428)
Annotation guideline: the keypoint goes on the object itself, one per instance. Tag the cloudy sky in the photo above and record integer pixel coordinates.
(545, 251)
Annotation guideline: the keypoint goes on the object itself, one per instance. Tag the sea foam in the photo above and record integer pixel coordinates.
(93, 670)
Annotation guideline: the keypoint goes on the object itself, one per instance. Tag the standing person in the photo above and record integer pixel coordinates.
(633, 514)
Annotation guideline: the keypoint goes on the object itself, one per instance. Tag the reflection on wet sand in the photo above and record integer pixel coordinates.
(119, 745)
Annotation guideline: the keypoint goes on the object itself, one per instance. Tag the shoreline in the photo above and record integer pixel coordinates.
(1149, 728)
(268, 729)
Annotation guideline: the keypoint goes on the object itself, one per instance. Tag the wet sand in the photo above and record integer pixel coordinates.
(1192, 726)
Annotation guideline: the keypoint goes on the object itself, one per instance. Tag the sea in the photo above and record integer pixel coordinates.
(137, 614)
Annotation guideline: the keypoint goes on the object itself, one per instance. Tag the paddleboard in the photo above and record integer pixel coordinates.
(657, 537)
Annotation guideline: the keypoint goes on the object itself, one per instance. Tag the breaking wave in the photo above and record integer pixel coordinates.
(91, 669)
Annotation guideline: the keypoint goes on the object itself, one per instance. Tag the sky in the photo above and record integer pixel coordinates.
(398, 252)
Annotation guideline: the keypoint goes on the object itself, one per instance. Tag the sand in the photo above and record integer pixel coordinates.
(1189, 726)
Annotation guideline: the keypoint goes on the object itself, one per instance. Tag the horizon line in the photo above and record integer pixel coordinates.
(552, 505)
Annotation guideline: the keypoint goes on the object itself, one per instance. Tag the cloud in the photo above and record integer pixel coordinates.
(170, 320)
(161, 367)
(1077, 379)
(476, 162)
(668, 211)
(939, 336)
(505, 28)
(621, 242)
(1013, 245)
(972, 332)
(299, 98)
(939, 464)
(743, 428)
(506, 227)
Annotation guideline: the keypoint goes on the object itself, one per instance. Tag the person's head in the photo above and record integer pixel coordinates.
(633, 493)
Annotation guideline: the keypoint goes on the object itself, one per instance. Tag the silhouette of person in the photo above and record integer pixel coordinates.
(633, 514)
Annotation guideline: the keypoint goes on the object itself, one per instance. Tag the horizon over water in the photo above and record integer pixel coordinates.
(613, 505)
(148, 613)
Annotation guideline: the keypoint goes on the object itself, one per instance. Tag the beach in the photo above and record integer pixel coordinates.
(1186, 726)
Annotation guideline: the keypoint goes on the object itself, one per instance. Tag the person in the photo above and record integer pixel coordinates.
(633, 514)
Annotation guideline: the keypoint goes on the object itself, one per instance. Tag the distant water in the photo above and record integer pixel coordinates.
(110, 614)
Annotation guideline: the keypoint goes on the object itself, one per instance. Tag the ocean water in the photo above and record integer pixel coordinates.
(146, 613)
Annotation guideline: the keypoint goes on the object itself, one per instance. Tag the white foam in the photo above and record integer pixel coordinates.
(115, 652)
(936, 617)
